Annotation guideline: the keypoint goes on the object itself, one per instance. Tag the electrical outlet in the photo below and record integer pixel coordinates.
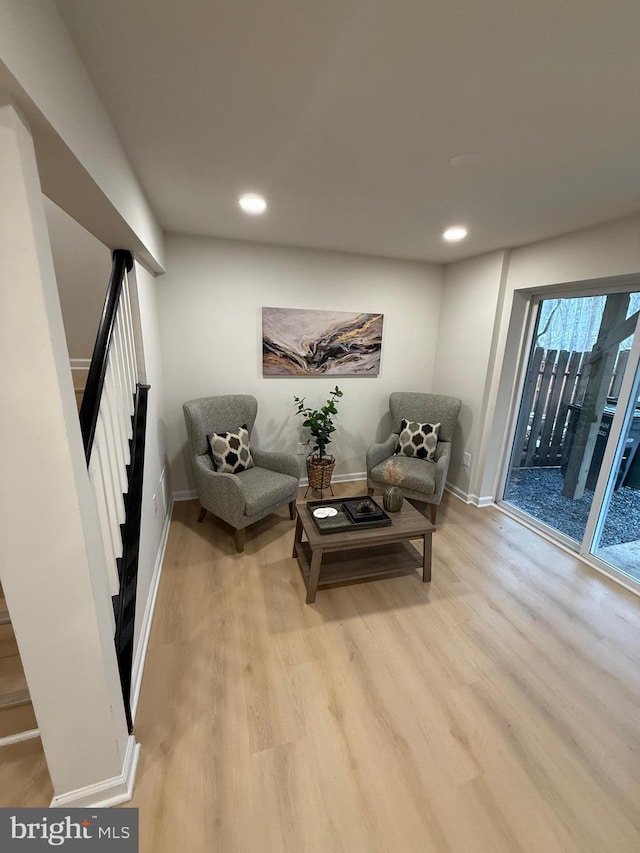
(155, 505)
(466, 460)
(302, 448)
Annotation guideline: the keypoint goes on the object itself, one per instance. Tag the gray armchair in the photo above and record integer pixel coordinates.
(422, 480)
(245, 497)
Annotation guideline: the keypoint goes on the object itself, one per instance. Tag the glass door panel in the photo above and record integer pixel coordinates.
(575, 370)
(617, 534)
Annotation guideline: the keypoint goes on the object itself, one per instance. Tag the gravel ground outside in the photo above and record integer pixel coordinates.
(538, 492)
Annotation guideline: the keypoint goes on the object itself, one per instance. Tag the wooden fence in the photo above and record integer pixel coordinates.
(556, 380)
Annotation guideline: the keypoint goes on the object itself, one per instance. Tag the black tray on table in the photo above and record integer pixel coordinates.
(348, 516)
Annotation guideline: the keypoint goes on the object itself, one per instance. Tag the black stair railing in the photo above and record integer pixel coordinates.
(124, 603)
(90, 406)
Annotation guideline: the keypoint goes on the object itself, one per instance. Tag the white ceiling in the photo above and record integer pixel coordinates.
(370, 125)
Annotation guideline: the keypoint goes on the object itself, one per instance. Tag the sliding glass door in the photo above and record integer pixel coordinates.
(616, 535)
(578, 397)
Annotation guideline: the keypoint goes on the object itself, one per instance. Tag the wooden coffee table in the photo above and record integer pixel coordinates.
(330, 559)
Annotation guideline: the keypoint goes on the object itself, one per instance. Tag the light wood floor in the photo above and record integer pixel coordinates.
(496, 709)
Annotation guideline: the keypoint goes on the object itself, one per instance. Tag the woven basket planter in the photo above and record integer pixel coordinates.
(320, 471)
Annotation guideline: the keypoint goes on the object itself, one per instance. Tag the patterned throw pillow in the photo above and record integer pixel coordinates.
(231, 451)
(419, 440)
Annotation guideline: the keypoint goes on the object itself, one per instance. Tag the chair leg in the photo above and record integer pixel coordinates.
(292, 510)
(434, 512)
(370, 491)
(238, 538)
(202, 515)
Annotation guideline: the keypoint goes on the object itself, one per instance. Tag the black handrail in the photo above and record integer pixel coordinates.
(122, 259)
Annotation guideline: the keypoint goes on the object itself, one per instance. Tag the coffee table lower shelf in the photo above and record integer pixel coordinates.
(360, 564)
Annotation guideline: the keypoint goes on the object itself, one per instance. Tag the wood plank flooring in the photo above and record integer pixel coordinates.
(16, 711)
(24, 777)
(495, 710)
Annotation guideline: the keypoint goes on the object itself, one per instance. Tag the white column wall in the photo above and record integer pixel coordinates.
(52, 568)
(463, 355)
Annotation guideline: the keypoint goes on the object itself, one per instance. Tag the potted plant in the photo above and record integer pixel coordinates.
(320, 465)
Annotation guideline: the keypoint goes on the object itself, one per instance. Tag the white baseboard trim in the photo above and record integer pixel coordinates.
(110, 792)
(474, 500)
(8, 740)
(79, 372)
(80, 363)
(147, 621)
(458, 493)
(185, 495)
(482, 501)
(340, 478)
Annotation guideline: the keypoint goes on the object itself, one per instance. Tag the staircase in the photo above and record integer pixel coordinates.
(112, 411)
(17, 720)
(113, 415)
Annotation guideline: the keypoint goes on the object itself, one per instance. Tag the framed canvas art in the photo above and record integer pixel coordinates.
(302, 342)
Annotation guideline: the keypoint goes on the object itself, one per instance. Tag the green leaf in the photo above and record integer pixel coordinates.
(319, 422)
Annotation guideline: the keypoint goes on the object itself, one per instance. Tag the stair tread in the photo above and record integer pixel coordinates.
(16, 719)
(15, 698)
(8, 645)
(12, 677)
(16, 710)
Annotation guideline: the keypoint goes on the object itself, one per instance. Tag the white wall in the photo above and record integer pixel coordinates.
(83, 267)
(480, 334)
(154, 517)
(210, 305)
(599, 257)
(82, 167)
(53, 574)
(606, 251)
(465, 332)
(80, 158)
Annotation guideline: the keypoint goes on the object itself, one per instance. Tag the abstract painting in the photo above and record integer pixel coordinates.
(302, 342)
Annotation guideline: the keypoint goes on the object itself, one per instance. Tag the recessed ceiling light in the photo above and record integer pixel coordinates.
(455, 233)
(252, 203)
